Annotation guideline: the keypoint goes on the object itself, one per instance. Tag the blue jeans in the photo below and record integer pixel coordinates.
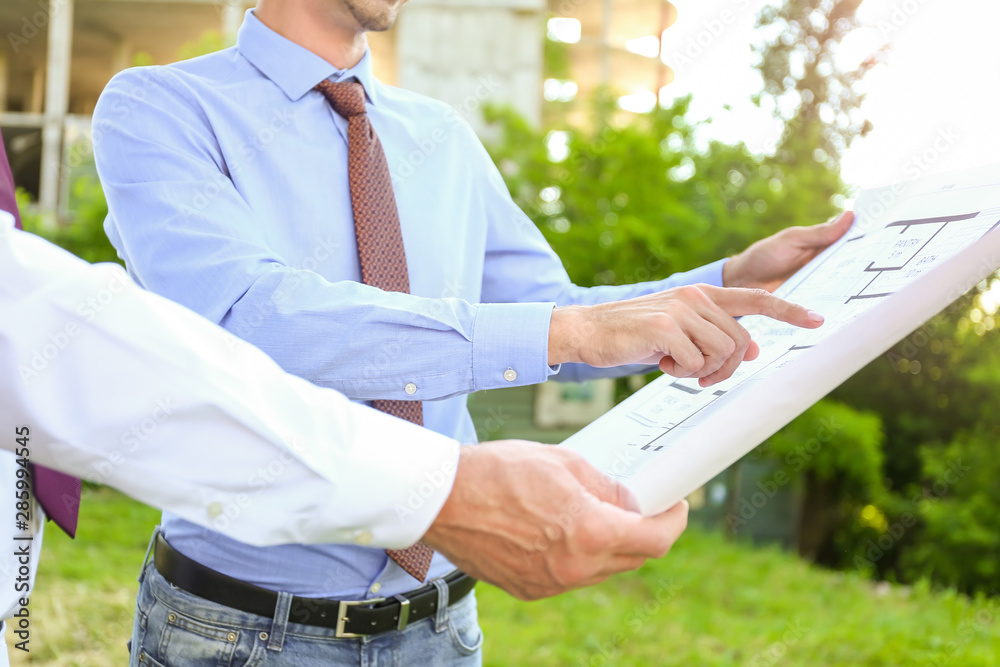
(174, 628)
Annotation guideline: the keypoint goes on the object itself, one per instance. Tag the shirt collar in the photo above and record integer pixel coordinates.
(293, 68)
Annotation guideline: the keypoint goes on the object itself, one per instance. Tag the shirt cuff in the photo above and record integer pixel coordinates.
(510, 345)
(406, 479)
(710, 274)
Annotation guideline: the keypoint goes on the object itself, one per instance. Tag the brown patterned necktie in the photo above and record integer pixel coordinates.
(380, 248)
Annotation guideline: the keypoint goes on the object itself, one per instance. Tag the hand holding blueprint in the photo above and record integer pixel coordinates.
(913, 250)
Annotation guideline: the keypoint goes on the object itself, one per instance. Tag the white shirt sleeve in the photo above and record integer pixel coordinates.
(125, 388)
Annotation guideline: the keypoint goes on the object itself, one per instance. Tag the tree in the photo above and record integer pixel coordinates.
(636, 200)
(817, 102)
(800, 72)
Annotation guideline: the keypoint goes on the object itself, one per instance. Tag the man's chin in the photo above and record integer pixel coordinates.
(377, 15)
(379, 26)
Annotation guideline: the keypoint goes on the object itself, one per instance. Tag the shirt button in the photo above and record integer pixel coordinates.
(410, 388)
(363, 537)
(214, 509)
(510, 375)
(375, 588)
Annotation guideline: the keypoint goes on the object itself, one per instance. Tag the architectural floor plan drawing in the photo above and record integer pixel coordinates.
(912, 251)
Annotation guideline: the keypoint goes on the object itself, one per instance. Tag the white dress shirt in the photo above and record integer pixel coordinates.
(126, 388)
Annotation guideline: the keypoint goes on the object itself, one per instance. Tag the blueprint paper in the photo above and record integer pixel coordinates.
(913, 250)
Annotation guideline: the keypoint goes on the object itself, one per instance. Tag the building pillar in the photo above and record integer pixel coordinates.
(467, 54)
(607, 10)
(56, 102)
(4, 81)
(122, 57)
(36, 102)
(232, 19)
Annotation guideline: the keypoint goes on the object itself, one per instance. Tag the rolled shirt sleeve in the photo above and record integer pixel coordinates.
(123, 387)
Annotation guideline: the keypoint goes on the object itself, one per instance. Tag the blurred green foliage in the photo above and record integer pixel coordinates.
(958, 504)
(632, 198)
(642, 199)
(209, 41)
(84, 234)
(798, 61)
(936, 394)
(834, 454)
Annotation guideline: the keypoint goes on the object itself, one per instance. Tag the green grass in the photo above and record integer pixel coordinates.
(709, 602)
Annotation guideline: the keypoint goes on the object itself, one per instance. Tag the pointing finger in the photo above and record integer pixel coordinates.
(738, 302)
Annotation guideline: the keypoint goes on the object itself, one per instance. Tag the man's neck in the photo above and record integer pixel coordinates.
(331, 33)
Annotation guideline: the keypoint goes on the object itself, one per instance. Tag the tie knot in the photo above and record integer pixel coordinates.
(347, 97)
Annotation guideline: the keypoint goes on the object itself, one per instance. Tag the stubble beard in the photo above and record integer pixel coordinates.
(374, 15)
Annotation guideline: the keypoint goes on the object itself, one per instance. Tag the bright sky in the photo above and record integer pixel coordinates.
(940, 83)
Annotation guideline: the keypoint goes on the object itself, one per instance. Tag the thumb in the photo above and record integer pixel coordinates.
(825, 234)
(622, 496)
(605, 489)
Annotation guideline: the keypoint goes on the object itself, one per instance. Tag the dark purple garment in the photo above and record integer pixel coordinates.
(58, 494)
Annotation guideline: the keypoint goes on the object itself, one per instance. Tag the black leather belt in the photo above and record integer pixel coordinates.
(349, 618)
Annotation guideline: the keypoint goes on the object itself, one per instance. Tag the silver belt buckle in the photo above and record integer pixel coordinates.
(404, 612)
(342, 615)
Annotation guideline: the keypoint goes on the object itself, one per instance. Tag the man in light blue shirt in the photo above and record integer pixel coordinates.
(226, 179)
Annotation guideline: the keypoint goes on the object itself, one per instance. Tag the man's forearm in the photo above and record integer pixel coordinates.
(125, 388)
(369, 344)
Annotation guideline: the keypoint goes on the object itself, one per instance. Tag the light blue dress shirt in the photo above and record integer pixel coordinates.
(226, 181)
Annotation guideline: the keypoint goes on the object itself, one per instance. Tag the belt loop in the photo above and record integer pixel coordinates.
(149, 550)
(281, 609)
(441, 621)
